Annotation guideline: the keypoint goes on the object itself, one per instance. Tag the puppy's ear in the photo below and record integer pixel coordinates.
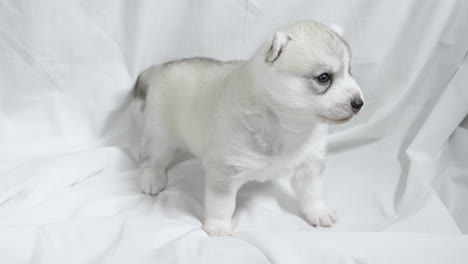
(277, 46)
(338, 29)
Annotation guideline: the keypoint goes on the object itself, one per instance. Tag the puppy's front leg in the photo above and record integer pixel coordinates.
(307, 183)
(220, 203)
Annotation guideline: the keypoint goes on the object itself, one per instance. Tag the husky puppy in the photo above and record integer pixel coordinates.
(252, 120)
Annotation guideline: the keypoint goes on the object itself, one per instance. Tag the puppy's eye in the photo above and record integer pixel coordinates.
(323, 78)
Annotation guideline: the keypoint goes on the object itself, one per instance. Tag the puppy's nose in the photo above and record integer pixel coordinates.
(357, 104)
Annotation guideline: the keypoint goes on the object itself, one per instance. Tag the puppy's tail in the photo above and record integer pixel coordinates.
(142, 84)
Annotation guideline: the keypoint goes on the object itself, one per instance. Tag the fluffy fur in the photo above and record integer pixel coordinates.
(252, 120)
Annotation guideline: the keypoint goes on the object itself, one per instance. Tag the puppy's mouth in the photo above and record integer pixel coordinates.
(334, 121)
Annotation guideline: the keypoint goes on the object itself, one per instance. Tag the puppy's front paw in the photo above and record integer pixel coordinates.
(319, 214)
(217, 228)
(153, 181)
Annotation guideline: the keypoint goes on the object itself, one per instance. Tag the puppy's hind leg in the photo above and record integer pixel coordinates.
(156, 154)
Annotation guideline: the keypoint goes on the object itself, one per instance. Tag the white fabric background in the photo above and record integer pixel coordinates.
(397, 174)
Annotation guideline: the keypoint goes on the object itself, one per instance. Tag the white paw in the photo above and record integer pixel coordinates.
(319, 214)
(153, 181)
(217, 228)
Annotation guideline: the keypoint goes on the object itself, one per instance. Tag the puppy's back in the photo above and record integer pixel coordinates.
(198, 70)
(180, 94)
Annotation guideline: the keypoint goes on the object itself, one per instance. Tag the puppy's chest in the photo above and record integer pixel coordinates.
(272, 151)
(272, 170)
(281, 156)
(265, 136)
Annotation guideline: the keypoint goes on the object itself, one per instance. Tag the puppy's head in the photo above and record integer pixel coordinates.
(306, 72)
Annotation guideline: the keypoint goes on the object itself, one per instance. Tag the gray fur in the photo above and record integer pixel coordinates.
(142, 83)
(199, 60)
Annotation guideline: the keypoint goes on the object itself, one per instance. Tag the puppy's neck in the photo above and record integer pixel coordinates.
(256, 88)
(274, 132)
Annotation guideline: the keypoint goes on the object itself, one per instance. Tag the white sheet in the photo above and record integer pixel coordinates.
(397, 174)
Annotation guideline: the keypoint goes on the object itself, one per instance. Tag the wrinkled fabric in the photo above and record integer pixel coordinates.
(397, 174)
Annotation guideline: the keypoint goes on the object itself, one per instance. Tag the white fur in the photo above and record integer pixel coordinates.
(252, 120)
